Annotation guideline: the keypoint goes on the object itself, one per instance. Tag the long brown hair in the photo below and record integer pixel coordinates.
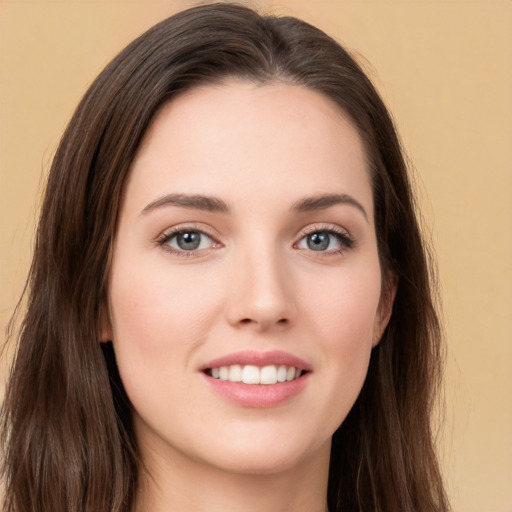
(66, 435)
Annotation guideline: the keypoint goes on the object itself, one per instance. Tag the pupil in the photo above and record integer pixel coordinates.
(189, 241)
(318, 241)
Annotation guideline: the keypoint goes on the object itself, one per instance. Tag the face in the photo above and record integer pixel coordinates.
(245, 284)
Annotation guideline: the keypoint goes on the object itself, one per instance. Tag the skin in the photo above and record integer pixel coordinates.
(253, 284)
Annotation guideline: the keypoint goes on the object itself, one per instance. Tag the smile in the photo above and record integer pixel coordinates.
(251, 374)
(257, 379)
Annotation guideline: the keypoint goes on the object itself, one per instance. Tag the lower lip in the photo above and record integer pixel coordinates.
(257, 395)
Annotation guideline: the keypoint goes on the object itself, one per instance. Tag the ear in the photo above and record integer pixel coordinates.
(105, 325)
(385, 307)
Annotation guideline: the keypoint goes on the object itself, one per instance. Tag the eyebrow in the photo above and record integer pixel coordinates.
(324, 201)
(216, 205)
(195, 202)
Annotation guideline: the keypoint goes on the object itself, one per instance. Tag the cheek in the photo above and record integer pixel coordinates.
(158, 303)
(158, 319)
(342, 317)
(344, 307)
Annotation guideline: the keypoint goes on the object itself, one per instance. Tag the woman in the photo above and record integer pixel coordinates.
(229, 304)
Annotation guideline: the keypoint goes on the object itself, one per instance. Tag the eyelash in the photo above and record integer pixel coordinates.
(345, 240)
(167, 236)
(343, 237)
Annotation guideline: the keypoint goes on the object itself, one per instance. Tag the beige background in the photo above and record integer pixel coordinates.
(445, 70)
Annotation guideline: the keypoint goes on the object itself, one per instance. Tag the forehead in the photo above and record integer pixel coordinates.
(248, 140)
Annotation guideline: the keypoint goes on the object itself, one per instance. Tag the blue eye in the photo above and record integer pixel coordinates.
(188, 240)
(324, 241)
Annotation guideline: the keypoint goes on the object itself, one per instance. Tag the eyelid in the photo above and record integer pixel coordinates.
(169, 233)
(343, 235)
(313, 228)
(345, 238)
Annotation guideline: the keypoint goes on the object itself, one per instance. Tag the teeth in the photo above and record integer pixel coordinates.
(235, 373)
(281, 374)
(268, 375)
(250, 374)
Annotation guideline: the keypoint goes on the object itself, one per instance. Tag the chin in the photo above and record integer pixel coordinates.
(267, 456)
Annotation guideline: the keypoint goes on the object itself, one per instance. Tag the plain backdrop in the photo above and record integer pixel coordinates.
(445, 70)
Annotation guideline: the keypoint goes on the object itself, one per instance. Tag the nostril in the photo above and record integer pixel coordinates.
(246, 321)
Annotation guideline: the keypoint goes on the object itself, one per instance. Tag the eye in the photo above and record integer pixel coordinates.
(186, 240)
(325, 240)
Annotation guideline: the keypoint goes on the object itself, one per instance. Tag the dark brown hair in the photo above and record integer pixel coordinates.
(66, 433)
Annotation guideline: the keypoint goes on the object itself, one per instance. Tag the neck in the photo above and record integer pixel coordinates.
(184, 485)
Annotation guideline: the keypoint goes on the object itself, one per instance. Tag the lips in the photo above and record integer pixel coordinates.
(259, 359)
(250, 374)
(257, 379)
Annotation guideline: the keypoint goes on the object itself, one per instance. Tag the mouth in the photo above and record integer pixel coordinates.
(256, 375)
(257, 379)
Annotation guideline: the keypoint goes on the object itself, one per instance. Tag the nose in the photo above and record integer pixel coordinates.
(260, 293)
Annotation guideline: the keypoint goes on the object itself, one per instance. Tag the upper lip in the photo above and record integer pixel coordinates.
(250, 357)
